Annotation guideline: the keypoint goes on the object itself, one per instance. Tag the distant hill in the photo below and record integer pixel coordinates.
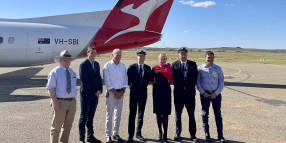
(218, 49)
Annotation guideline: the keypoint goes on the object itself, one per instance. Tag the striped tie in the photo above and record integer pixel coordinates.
(68, 81)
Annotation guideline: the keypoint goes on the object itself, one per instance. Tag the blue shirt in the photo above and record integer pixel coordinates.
(57, 80)
(210, 78)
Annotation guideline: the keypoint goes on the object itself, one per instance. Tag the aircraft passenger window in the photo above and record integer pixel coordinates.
(11, 40)
(1, 40)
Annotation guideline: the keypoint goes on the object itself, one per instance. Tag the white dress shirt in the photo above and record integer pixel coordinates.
(115, 76)
(57, 80)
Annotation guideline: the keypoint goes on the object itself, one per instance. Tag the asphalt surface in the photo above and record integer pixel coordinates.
(253, 106)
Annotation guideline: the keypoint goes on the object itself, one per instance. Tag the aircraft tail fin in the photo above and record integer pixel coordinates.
(139, 15)
(131, 24)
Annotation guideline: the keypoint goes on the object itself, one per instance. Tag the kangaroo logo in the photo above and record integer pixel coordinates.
(142, 13)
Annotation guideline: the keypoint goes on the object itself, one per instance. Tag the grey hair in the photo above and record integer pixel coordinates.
(115, 51)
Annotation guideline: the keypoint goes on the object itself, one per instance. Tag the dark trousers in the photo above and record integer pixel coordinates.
(162, 120)
(88, 107)
(138, 99)
(190, 103)
(216, 104)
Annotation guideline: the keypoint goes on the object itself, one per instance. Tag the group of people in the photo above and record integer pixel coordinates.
(184, 74)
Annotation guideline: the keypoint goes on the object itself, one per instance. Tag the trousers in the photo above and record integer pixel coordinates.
(62, 121)
(137, 101)
(88, 108)
(113, 106)
(216, 104)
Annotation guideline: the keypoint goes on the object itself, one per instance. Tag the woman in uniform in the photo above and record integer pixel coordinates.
(163, 77)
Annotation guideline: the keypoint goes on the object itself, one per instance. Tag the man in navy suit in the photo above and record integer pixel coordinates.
(139, 75)
(185, 78)
(91, 88)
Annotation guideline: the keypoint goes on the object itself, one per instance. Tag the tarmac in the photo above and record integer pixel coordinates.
(253, 106)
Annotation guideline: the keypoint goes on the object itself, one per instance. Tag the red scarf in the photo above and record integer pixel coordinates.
(166, 71)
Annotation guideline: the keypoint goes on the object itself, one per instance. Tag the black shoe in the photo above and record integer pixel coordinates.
(221, 139)
(93, 140)
(193, 138)
(118, 138)
(129, 141)
(108, 140)
(177, 137)
(160, 137)
(208, 137)
(140, 137)
(165, 138)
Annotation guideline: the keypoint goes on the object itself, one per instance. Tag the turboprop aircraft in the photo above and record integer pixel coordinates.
(36, 41)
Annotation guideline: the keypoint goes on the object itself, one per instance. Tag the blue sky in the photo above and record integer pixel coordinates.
(257, 24)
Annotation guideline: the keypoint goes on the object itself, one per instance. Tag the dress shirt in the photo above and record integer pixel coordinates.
(57, 80)
(142, 69)
(92, 64)
(210, 78)
(115, 76)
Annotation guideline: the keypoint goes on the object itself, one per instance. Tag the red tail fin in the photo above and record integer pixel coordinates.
(132, 23)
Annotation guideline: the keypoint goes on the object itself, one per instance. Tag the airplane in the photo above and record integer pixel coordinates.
(36, 41)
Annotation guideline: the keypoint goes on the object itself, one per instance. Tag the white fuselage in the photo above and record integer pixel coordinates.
(37, 41)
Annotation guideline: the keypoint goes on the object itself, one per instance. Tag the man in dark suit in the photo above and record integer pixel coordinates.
(185, 78)
(91, 88)
(139, 75)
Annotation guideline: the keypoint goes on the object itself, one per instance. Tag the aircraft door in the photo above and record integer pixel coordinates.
(40, 47)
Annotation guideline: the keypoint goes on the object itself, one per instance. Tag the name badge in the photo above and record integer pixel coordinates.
(214, 74)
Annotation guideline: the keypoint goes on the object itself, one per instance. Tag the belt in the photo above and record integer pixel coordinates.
(66, 98)
(120, 89)
(209, 91)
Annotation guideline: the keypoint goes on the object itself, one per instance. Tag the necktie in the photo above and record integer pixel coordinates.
(141, 72)
(184, 70)
(183, 67)
(68, 81)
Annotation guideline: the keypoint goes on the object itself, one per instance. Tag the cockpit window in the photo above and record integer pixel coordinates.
(1, 40)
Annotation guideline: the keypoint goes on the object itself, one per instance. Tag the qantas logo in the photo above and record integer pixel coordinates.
(142, 13)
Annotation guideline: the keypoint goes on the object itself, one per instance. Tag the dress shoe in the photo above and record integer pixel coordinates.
(108, 140)
(129, 141)
(165, 138)
(208, 138)
(160, 137)
(118, 138)
(177, 137)
(221, 139)
(193, 138)
(93, 140)
(140, 137)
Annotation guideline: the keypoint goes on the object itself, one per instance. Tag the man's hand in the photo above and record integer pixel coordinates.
(98, 93)
(206, 95)
(120, 94)
(213, 96)
(56, 105)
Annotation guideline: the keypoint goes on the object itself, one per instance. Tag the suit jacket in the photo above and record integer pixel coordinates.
(134, 77)
(178, 76)
(91, 80)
